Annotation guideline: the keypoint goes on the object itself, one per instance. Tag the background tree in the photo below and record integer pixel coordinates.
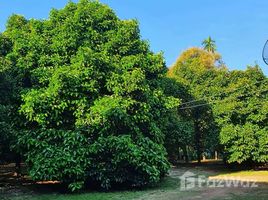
(242, 114)
(196, 68)
(178, 125)
(209, 45)
(230, 106)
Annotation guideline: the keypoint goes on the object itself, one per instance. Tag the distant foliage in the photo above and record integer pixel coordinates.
(196, 69)
(244, 116)
(233, 117)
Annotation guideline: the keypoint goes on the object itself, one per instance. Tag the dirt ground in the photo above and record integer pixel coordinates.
(11, 185)
(209, 192)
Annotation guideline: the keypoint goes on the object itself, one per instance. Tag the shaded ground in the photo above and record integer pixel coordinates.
(13, 188)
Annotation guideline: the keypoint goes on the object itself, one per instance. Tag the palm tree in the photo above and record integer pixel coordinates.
(209, 45)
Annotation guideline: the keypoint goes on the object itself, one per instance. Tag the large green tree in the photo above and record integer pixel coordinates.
(92, 96)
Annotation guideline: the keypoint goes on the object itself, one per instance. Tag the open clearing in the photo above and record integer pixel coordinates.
(255, 176)
(12, 189)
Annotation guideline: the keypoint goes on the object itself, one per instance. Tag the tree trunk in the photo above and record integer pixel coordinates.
(204, 157)
(18, 164)
(185, 153)
(197, 138)
(179, 155)
(216, 155)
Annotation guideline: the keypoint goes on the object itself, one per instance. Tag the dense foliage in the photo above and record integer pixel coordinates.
(92, 94)
(243, 116)
(195, 68)
(230, 107)
(85, 101)
(8, 101)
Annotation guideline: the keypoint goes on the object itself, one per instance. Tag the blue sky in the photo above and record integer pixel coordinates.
(240, 27)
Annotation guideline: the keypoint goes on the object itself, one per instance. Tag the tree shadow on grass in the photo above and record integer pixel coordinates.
(12, 186)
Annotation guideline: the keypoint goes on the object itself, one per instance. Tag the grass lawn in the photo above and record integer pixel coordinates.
(166, 185)
(168, 189)
(93, 196)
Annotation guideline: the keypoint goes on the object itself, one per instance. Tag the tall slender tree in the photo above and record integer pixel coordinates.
(209, 45)
(195, 68)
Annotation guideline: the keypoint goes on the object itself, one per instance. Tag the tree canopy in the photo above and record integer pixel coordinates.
(86, 102)
(236, 101)
(90, 95)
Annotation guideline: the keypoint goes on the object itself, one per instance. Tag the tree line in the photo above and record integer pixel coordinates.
(85, 101)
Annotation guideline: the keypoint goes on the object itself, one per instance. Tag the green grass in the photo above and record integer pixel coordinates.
(166, 185)
(167, 189)
(84, 196)
(258, 194)
(93, 195)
